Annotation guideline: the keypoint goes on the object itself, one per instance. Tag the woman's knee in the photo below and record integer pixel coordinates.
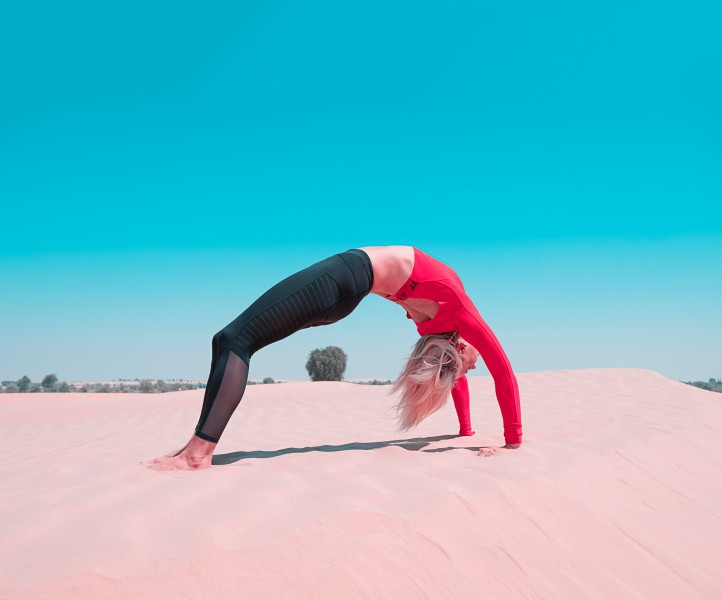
(222, 341)
(234, 339)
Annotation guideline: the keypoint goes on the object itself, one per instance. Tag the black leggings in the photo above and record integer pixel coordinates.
(321, 294)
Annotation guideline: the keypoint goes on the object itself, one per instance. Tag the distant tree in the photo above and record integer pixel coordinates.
(326, 364)
(64, 387)
(24, 383)
(8, 382)
(145, 386)
(104, 388)
(35, 388)
(160, 385)
(84, 389)
(268, 380)
(49, 382)
(11, 389)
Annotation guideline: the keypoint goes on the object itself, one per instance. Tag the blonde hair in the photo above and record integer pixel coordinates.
(427, 378)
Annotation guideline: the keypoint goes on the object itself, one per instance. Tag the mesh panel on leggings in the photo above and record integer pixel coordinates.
(217, 412)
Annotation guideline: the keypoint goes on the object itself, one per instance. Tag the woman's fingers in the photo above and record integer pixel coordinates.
(488, 451)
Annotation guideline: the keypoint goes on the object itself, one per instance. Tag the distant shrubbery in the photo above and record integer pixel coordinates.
(142, 386)
(375, 382)
(713, 385)
(265, 380)
(50, 383)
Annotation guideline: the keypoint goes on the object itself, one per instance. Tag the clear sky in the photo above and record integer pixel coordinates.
(162, 164)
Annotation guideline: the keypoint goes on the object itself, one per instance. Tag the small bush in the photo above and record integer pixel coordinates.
(326, 364)
(24, 383)
(49, 382)
(146, 386)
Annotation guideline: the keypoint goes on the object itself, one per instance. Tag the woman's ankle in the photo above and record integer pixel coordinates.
(199, 445)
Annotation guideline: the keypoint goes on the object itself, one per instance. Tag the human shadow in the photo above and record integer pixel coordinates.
(412, 444)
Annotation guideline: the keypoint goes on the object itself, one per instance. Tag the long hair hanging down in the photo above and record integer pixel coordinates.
(426, 380)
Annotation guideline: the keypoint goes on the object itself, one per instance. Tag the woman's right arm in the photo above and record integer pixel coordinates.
(474, 330)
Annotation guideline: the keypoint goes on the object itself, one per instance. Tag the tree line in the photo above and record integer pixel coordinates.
(50, 383)
(323, 364)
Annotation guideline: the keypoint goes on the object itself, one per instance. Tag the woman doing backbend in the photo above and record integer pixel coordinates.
(453, 335)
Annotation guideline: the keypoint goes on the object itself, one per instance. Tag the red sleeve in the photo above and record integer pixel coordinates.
(474, 330)
(460, 394)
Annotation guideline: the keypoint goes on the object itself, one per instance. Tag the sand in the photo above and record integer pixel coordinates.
(616, 493)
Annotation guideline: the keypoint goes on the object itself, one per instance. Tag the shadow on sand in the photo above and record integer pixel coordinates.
(413, 444)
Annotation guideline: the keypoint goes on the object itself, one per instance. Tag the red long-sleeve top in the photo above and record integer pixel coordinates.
(433, 280)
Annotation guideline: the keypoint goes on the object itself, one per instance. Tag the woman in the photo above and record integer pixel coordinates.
(453, 336)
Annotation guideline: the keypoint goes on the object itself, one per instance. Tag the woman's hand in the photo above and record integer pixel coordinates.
(491, 450)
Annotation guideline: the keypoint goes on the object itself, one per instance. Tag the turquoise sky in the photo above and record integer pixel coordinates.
(162, 164)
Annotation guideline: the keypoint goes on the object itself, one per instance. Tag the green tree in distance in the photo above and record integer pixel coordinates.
(145, 386)
(49, 382)
(24, 383)
(326, 364)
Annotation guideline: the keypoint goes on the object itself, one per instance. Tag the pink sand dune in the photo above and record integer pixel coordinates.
(616, 493)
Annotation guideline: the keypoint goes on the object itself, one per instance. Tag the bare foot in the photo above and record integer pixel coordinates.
(195, 455)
